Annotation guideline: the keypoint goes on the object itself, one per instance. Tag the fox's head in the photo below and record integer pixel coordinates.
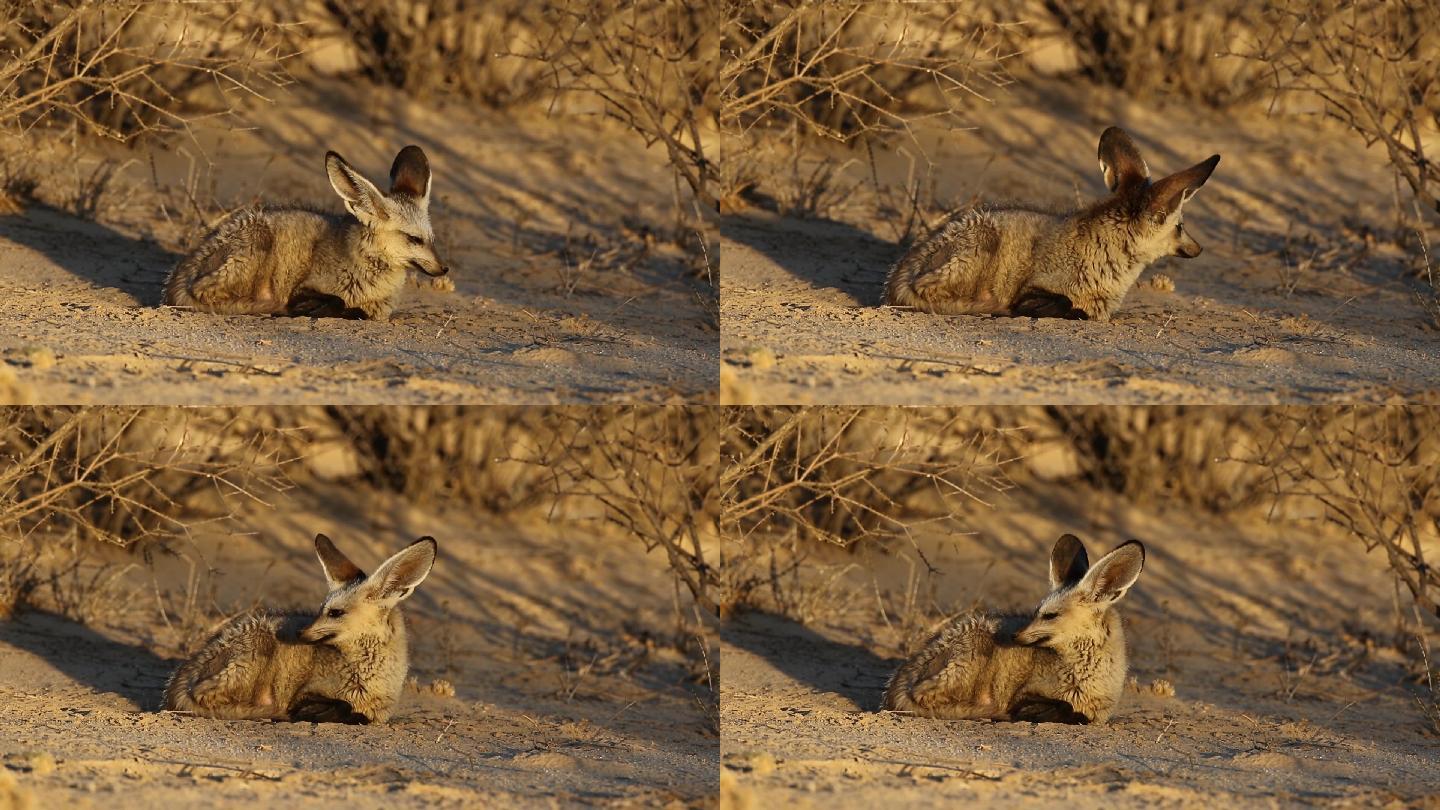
(1080, 594)
(1153, 209)
(398, 222)
(358, 605)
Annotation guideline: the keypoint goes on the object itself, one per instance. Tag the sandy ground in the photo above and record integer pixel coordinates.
(565, 690)
(1284, 693)
(622, 317)
(801, 321)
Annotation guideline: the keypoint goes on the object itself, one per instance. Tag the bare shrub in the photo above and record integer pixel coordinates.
(1174, 452)
(850, 71)
(794, 478)
(1375, 472)
(119, 477)
(1376, 68)
(652, 66)
(429, 454)
(649, 471)
(652, 471)
(129, 67)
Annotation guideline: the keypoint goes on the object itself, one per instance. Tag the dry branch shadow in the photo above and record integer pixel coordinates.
(87, 657)
(93, 252)
(852, 671)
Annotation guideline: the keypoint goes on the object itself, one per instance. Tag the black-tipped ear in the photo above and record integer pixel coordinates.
(410, 173)
(339, 571)
(1068, 562)
(1177, 189)
(1120, 161)
(397, 577)
(1112, 575)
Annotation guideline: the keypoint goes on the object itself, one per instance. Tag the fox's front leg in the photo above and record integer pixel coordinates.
(371, 310)
(312, 304)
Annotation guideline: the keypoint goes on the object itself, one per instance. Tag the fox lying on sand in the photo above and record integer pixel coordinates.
(1065, 663)
(347, 664)
(1027, 261)
(298, 261)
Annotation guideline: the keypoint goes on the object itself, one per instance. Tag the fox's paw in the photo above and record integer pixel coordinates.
(439, 283)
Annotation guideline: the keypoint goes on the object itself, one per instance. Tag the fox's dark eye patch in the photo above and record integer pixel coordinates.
(1049, 616)
(334, 613)
(415, 240)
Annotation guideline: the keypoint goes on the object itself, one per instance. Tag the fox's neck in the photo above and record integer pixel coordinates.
(1088, 655)
(1101, 261)
(386, 641)
(366, 257)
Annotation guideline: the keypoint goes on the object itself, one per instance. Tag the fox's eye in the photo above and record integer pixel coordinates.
(1049, 616)
(414, 240)
(1179, 227)
(334, 613)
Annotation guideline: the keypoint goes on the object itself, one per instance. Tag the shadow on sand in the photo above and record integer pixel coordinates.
(851, 671)
(93, 252)
(87, 657)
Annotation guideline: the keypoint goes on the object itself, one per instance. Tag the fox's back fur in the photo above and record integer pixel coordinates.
(1016, 259)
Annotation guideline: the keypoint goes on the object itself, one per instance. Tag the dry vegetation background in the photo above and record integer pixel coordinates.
(554, 658)
(86, 494)
(867, 73)
(797, 484)
(154, 70)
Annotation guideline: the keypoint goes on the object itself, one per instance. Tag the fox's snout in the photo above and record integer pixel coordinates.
(436, 270)
(316, 633)
(1189, 249)
(1033, 636)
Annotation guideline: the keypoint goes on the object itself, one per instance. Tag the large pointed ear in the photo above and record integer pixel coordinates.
(1120, 161)
(1113, 574)
(1177, 189)
(339, 571)
(410, 174)
(1068, 562)
(397, 577)
(361, 196)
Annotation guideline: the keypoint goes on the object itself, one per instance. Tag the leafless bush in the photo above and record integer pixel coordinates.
(117, 477)
(792, 478)
(652, 470)
(1375, 472)
(125, 67)
(849, 71)
(649, 471)
(1173, 452)
(652, 66)
(1167, 46)
(1376, 67)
